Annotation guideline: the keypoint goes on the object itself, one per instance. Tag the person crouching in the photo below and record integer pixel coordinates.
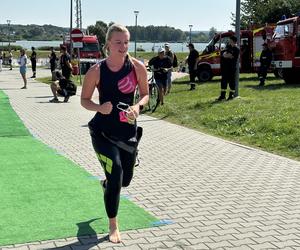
(62, 87)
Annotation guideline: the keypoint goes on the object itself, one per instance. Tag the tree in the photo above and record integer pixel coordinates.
(99, 29)
(259, 12)
(212, 32)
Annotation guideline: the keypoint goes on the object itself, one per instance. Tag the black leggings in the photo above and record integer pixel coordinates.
(118, 166)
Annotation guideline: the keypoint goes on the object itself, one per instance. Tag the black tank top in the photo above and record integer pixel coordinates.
(116, 87)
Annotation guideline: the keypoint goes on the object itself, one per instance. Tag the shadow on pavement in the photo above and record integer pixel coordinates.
(47, 96)
(11, 88)
(84, 243)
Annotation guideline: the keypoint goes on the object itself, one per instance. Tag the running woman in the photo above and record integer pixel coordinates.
(114, 124)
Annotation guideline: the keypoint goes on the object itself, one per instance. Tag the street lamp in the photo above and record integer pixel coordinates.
(8, 24)
(71, 28)
(238, 36)
(136, 12)
(191, 26)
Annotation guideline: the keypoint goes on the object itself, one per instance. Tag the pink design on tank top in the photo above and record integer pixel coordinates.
(127, 84)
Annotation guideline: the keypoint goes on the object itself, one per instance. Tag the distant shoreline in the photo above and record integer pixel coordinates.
(147, 46)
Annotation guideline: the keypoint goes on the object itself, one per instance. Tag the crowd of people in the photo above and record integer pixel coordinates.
(62, 84)
(162, 65)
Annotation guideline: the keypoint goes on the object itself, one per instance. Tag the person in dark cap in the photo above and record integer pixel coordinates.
(33, 62)
(192, 61)
(161, 64)
(265, 62)
(229, 58)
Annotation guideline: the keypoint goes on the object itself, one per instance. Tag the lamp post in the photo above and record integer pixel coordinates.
(71, 28)
(136, 12)
(238, 36)
(8, 24)
(191, 26)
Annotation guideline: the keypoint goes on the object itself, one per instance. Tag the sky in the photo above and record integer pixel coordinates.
(202, 14)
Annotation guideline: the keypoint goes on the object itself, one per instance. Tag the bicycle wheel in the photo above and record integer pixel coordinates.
(136, 96)
(153, 97)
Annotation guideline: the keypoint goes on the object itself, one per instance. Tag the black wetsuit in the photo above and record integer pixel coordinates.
(118, 164)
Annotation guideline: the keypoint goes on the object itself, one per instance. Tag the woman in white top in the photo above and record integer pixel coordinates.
(22, 62)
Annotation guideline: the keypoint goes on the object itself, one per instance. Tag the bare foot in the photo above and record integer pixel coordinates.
(114, 234)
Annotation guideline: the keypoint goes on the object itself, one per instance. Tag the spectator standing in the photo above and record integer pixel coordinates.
(265, 62)
(10, 58)
(53, 59)
(65, 62)
(169, 53)
(33, 62)
(229, 58)
(192, 61)
(161, 65)
(22, 61)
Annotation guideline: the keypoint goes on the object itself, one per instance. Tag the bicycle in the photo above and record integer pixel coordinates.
(153, 93)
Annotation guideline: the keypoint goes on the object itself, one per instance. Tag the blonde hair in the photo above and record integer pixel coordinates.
(113, 28)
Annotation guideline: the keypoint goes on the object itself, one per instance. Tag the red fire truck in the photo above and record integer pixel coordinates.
(286, 49)
(89, 53)
(251, 47)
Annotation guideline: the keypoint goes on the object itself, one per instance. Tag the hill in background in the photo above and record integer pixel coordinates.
(45, 32)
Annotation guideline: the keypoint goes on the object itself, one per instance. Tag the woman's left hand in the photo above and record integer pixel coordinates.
(133, 112)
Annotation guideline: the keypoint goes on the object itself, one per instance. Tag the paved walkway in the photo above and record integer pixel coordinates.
(219, 195)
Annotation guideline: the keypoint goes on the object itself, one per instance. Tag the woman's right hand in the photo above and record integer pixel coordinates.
(106, 108)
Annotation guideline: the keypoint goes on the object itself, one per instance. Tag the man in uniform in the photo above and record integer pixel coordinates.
(265, 62)
(33, 62)
(229, 58)
(192, 61)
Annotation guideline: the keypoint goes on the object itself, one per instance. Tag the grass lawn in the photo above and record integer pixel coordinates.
(264, 117)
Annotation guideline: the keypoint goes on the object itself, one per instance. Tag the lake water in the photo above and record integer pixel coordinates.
(176, 47)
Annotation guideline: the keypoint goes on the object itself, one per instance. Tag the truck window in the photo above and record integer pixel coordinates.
(283, 30)
(211, 46)
(224, 42)
(90, 47)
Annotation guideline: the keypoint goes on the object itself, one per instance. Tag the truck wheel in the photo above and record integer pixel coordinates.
(290, 76)
(278, 73)
(204, 74)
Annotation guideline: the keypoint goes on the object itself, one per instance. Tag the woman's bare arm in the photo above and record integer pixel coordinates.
(91, 81)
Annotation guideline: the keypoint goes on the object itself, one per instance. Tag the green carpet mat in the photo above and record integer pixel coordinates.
(44, 196)
(10, 124)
